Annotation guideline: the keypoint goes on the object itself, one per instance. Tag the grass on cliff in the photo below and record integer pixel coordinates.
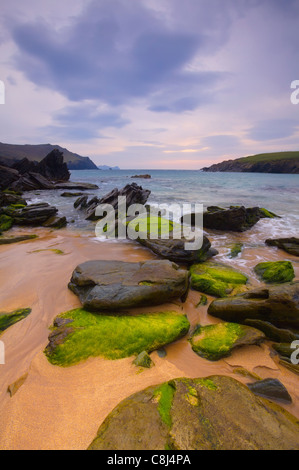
(116, 337)
(269, 157)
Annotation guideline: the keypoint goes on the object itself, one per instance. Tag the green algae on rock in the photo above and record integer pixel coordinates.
(18, 239)
(143, 360)
(216, 279)
(275, 272)
(213, 342)
(213, 413)
(84, 334)
(6, 222)
(9, 319)
(235, 250)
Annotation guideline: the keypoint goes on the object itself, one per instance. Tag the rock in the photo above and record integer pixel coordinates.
(70, 186)
(278, 305)
(111, 336)
(143, 360)
(147, 177)
(34, 214)
(7, 176)
(216, 279)
(81, 202)
(285, 362)
(9, 319)
(283, 349)
(275, 272)
(174, 250)
(32, 182)
(133, 193)
(213, 342)
(235, 250)
(203, 301)
(113, 285)
(272, 389)
(55, 222)
(53, 167)
(21, 238)
(273, 333)
(25, 166)
(6, 222)
(9, 198)
(289, 245)
(214, 413)
(237, 219)
(66, 194)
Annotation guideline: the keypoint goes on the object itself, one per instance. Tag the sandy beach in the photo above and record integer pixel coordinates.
(62, 408)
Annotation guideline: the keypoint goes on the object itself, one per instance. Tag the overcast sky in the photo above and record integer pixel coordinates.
(151, 83)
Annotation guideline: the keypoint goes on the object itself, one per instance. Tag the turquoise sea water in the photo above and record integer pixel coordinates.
(276, 192)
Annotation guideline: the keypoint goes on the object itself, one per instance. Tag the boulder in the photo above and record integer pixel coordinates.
(55, 222)
(174, 250)
(289, 245)
(213, 413)
(216, 279)
(83, 334)
(34, 214)
(236, 219)
(81, 202)
(7, 176)
(275, 272)
(143, 360)
(53, 167)
(273, 333)
(278, 305)
(213, 342)
(113, 285)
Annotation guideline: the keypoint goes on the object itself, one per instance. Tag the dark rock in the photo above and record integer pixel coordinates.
(133, 193)
(143, 360)
(35, 214)
(9, 319)
(213, 413)
(55, 222)
(58, 322)
(283, 349)
(113, 285)
(8, 199)
(57, 337)
(272, 389)
(7, 177)
(25, 166)
(21, 238)
(70, 186)
(53, 167)
(289, 245)
(273, 333)
(174, 250)
(147, 177)
(71, 194)
(81, 202)
(237, 219)
(278, 305)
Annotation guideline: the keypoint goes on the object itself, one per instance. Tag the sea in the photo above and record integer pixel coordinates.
(278, 193)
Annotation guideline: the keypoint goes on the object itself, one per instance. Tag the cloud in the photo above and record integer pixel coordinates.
(273, 129)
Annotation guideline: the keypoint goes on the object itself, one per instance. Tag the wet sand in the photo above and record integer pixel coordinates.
(62, 408)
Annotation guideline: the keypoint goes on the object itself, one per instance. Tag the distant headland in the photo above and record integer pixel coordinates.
(279, 162)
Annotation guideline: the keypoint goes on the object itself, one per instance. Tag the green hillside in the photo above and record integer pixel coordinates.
(269, 157)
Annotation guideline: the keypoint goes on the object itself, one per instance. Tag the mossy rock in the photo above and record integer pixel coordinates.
(21, 238)
(235, 250)
(6, 222)
(266, 214)
(213, 413)
(217, 279)
(213, 342)
(275, 272)
(9, 319)
(143, 360)
(86, 334)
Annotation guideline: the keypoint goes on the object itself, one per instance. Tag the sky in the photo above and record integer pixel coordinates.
(170, 84)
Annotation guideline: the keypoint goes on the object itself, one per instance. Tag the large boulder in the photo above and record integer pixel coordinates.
(113, 285)
(53, 167)
(290, 245)
(235, 219)
(278, 305)
(7, 176)
(34, 214)
(275, 272)
(214, 413)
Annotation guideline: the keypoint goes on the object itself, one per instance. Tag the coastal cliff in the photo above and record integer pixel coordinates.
(280, 162)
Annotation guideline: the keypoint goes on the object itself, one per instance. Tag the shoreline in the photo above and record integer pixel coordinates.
(62, 408)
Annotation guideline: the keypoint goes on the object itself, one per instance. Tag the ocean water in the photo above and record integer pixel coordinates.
(277, 192)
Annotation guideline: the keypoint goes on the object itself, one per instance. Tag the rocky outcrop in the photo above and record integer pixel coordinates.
(289, 245)
(34, 214)
(213, 342)
(113, 285)
(8, 176)
(133, 193)
(275, 272)
(213, 413)
(272, 389)
(278, 305)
